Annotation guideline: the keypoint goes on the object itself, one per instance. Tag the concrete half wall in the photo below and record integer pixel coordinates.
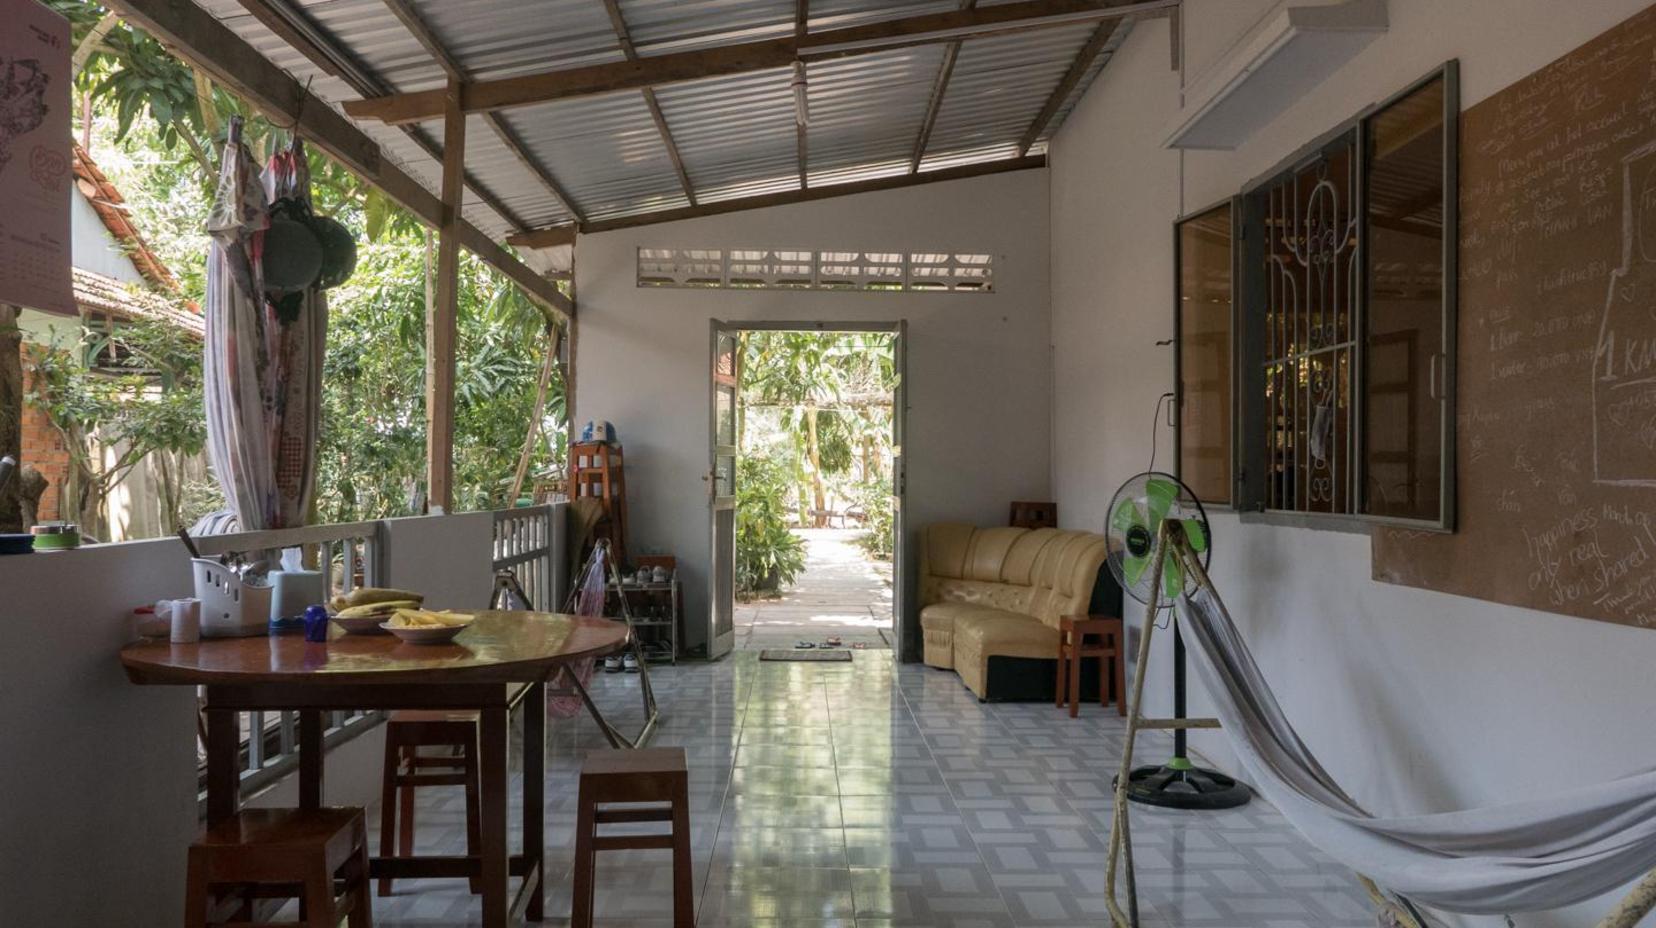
(1415, 700)
(979, 372)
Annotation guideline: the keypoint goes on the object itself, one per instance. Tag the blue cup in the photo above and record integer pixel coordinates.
(316, 623)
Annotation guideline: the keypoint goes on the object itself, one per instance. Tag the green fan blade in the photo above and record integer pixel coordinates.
(1198, 536)
(1172, 577)
(1161, 494)
(1132, 568)
(1126, 516)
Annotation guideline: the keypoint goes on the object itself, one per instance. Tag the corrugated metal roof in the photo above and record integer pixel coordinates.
(736, 135)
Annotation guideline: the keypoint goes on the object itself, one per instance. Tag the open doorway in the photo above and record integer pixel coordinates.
(818, 465)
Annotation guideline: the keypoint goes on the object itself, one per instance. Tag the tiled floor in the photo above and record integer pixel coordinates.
(875, 794)
(842, 592)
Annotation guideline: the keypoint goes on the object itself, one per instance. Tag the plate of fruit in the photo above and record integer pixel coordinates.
(423, 626)
(363, 610)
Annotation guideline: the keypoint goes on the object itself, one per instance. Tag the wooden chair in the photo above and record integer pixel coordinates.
(406, 770)
(1081, 637)
(657, 776)
(283, 853)
(1033, 515)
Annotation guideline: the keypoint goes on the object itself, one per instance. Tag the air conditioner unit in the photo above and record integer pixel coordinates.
(1293, 48)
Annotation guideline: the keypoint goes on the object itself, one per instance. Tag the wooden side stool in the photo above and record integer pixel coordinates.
(657, 776)
(275, 850)
(1081, 637)
(406, 770)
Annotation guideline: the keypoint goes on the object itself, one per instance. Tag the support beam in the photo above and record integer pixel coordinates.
(428, 40)
(935, 104)
(442, 327)
(787, 197)
(675, 67)
(1067, 83)
(550, 237)
(295, 27)
(801, 90)
(209, 45)
(624, 37)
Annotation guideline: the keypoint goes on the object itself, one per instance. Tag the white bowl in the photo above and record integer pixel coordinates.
(425, 634)
(361, 625)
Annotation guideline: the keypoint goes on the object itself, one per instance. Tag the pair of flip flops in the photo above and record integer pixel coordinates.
(833, 641)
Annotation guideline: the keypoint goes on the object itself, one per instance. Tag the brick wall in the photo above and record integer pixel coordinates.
(43, 447)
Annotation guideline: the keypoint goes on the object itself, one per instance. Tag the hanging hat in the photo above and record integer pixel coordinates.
(292, 256)
(339, 251)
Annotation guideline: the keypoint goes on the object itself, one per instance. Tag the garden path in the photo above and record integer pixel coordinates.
(842, 592)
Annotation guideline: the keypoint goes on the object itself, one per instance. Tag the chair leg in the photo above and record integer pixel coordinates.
(405, 834)
(1105, 686)
(319, 899)
(1075, 680)
(580, 909)
(388, 806)
(362, 906)
(196, 894)
(474, 812)
(684, 900)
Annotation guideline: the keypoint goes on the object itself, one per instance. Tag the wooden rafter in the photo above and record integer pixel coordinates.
(785, 198)
(675, 67)
(295, 27)
(802, 141)
(935, 104)
(428, 40)
(624, 37)
(210, 46)
(1067, 84)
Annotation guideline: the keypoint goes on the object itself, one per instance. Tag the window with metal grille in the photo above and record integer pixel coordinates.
(784, 269)
(1347, 320)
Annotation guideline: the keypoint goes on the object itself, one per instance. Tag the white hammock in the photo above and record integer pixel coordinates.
(1525, 856)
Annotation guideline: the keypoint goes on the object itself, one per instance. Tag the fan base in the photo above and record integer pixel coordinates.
(1182, 785)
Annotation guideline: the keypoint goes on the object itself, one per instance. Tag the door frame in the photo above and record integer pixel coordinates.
(902, 571)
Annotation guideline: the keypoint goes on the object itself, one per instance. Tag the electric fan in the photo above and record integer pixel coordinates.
(1137, 514)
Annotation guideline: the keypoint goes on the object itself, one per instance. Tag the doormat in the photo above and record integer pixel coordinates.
(812, 657)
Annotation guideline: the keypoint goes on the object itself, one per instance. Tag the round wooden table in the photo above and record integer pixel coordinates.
(499, 663)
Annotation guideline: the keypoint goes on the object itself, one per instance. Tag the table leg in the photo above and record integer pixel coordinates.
(223, 753)
(493, 831)
(310, 759)
(534, 795)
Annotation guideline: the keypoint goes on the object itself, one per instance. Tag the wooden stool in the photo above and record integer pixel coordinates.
(1028, 514)
(406, 770)
(1081, 637)
(283, 853)
(650, 775)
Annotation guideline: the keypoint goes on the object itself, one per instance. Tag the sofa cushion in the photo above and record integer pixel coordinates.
(945, 616)
(989, 632)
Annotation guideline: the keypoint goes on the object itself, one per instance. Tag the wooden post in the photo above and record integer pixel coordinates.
(11, 415)
(441, 324)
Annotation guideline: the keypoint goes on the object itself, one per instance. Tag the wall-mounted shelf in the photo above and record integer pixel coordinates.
(1292, 49)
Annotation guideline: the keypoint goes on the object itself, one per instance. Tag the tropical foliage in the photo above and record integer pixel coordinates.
(769, 556)
(156, 127)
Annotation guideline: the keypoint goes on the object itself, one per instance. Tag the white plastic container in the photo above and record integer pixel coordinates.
(229, 607)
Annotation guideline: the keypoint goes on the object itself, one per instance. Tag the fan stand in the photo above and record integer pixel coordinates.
(1180, 784)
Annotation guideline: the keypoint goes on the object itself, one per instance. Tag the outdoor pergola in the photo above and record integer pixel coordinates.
(527, 122)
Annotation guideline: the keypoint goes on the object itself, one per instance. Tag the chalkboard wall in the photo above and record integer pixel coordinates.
(1556, 455)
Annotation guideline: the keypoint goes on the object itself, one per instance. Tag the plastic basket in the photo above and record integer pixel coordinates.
(229, 607)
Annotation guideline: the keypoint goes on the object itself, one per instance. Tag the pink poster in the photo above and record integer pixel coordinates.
(34, 158)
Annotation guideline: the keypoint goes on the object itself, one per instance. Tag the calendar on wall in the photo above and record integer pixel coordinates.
(34, 158)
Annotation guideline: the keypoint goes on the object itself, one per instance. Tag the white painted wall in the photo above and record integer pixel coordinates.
(978, 364)
(1415, 700)
(98, 776)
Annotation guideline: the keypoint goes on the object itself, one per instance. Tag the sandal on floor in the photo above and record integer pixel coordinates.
(834, 641)
(804, 645)
(859, 646)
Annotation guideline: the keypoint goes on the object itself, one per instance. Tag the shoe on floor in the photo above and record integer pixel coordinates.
(629, 663)
(612, 664)
(804, 645)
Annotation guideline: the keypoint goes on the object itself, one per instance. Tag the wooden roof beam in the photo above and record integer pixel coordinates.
(295, 27)
(676, 67)
(935, 104)
(801, 90)
(1066, 84)
(428, 40)
(619, 24)
(195, 35)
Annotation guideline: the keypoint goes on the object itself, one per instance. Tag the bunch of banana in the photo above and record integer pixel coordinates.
(367, 601)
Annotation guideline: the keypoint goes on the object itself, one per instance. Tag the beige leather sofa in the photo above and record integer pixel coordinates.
(999, 592)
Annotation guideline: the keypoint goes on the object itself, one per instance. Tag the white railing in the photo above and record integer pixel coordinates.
(349, 555)
(523, 545)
